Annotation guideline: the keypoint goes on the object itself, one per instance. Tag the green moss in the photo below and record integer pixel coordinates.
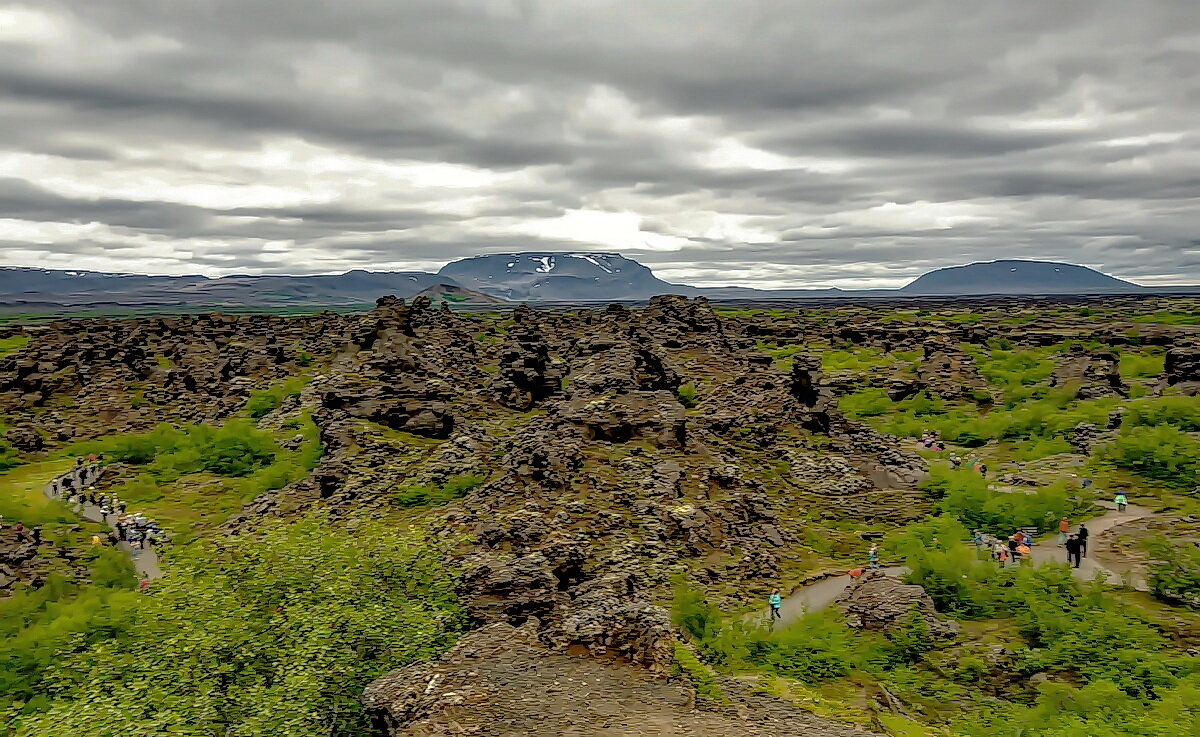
(14, 343)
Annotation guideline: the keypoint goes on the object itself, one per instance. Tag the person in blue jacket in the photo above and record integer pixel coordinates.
(776, 601)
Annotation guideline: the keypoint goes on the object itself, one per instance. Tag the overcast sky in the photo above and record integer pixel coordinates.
(762, 142)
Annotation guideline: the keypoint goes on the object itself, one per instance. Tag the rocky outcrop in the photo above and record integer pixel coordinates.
(604, 614)
(1181, 369)
(526, 376)
(502, 680)
(879, 602)
(1094, 374)
(950, 373)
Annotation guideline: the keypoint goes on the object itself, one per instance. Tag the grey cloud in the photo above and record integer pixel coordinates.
(1005, 113)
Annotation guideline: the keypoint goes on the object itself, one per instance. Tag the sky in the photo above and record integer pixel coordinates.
(767, 143)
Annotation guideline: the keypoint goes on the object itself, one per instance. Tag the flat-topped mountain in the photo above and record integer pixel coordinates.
(559, 276)
(1017, 277)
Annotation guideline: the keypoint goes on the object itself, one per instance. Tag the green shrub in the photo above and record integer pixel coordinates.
(966, 496)
(424, 494)
(272, 636)
(1141, 365)
(1163, 453)
(818, 646)
(234, 449)
(687, 395)
(865, 403)
(1175, 572)
(1183, 412)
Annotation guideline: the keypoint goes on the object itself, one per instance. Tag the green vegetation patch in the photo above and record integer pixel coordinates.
(272, 636)
(427, 495)
(12, 343)
(265, 401)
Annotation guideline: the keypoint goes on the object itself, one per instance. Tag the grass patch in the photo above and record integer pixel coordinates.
(12, 343)
(421, 495)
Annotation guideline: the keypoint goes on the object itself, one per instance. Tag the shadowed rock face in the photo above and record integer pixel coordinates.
(1095, 374)
(1181, 369)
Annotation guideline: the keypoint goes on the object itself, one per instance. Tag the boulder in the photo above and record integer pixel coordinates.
(880, 602)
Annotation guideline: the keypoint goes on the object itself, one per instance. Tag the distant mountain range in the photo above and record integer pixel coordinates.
(515, 277)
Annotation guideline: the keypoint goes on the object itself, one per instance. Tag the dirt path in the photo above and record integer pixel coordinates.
(1050, 550)
(820, 594)
(144, 561)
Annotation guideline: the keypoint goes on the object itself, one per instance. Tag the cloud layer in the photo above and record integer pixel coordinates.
(768, 143)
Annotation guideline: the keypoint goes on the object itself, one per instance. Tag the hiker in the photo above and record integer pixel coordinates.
(977, 538)
(1073, 550)
(104, 512)
(1064, 526)
(955, 462)
(776, 601)
(35, 534)
(144, 582)
(1012, 548)
(983, 469)
(1027, 539)
(1120, 501)
(1082, 536)
(1085, 483)
(1002, 553)
(19, 528)
(873, 556)
(1023, 551)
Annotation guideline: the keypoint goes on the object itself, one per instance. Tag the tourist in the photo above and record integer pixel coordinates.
(1085, 483)
(35, 534)
(1026, 539)
(1072, 546)
(955, 461)
(983, 469)
(104, 512)
(1002, 553)
(1082, 536)
(977, 538)
(95, 540)
(1064, 526)
(19, 529)
(1023, 551)
(1121, 502)
(776, 601)
(873, 556)
(1012, 548)
(144, 582)
(855, 572)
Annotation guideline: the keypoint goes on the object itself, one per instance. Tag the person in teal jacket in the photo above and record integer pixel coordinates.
(776, 601)
(1120, 501)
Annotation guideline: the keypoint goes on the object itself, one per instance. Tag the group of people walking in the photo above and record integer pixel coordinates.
(135, 529)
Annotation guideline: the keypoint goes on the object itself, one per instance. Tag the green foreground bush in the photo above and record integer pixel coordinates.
(275, 635)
